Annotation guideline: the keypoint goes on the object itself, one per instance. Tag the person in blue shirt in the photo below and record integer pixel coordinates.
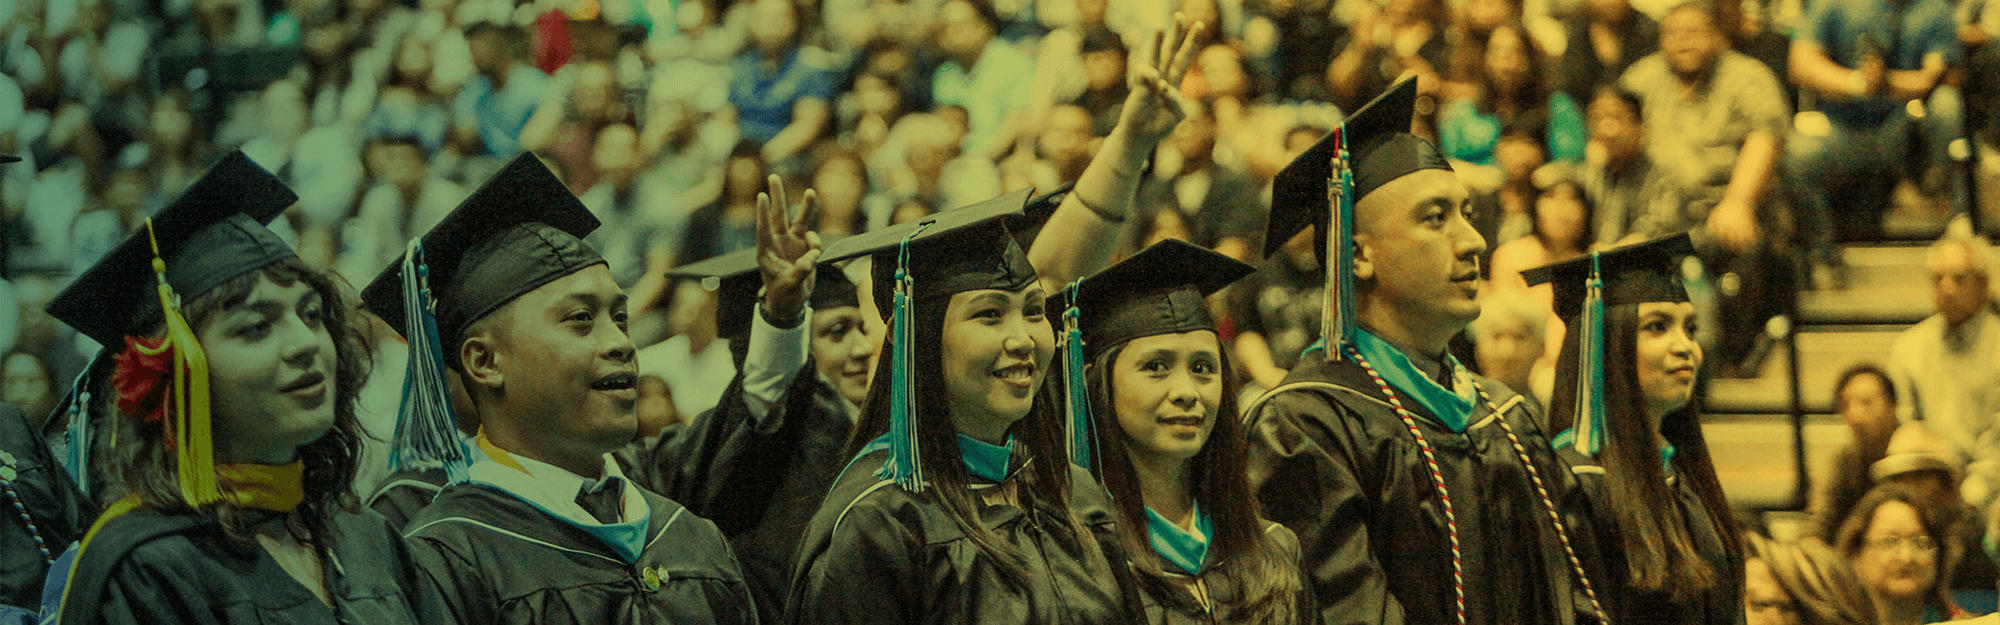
(497, 103)
(1865, 61)
(781, 89)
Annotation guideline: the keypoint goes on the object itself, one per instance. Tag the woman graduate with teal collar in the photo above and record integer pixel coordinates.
(1631, 431)
(1158, 400)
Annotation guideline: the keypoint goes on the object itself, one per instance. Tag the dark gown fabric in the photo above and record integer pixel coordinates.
(876, 553)
(1342, 470)
(1176, 599)
(1720, 606)
(497, 559)
(404, 493)
(146, 567)
(60, 511)
(759, 482)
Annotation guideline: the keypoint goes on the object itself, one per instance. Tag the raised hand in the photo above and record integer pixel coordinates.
(1155, 104)
(787, 252)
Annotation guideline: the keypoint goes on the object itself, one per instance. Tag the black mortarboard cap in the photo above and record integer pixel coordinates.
(739, 286)
(1157, 291)
(519, 231)
(957, 250)
(1637, 273)
(1382, 149)
(213, 232)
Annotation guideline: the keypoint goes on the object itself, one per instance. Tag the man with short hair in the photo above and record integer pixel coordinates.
(544, 527)
(1948, 365)
(1421, 493)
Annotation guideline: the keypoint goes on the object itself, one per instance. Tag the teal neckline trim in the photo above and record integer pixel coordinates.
(1186, 550)
(1452, 407)
(1567, 438)
(985, 460)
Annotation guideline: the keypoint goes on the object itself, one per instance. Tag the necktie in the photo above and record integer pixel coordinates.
(606, 503)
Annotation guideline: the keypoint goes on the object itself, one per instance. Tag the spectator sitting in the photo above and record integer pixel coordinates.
(406, 200)
(27, 382)
(492, 109)
(729, 223)
(1920, 460)
(1513, 87)
(1277, 311)
(1509, 340)
(581, 99)
(1561, 218)
(1505, 212)
(1063, 148)
(780, 88)
(1864, 60)
(1619, 180)
(986, 76)
(639, 223)
(924, 165)
(321, 163)
(847, 203)
(1219, 202)
(1948, 365)
(1801, 582)
(1610, 38)
(1371, 61)
(1104, 58)
(1903, 551)
(1866, 401)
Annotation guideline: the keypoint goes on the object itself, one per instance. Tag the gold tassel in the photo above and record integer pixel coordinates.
(194, 449)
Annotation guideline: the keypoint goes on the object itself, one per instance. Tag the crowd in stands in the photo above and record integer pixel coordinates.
(1774, 131)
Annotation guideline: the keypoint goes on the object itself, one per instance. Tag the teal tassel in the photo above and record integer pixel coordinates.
(426, 431)
(1077, 392)
(1338, 327)
(1590, 428)
(905, 464)
(78, 458)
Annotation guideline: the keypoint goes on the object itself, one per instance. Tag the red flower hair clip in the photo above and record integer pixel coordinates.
(142, 377)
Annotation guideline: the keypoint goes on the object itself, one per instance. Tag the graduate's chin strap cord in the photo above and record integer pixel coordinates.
(1444, 494)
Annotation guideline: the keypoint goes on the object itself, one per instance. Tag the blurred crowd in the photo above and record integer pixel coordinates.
(1773, 130)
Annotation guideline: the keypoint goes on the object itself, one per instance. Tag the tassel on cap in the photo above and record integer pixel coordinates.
(1076, 392)
(194, 447)
(77, 460)
(1337, 322)
(426, 428)
(905, 464)
(1590, 365)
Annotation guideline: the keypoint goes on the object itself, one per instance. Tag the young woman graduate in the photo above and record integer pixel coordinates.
(959, 506)
(230, 455)
(1630, 430)
(1160, 407)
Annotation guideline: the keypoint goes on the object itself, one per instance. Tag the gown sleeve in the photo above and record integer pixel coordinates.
(450, 580)
(1303, 469)
(869, 571)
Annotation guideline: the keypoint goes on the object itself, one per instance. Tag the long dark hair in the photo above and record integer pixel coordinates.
(1950, 546)
(136, 461)
(1533, 92)
(1268, 585)
(1038, 437)
(1660, 553)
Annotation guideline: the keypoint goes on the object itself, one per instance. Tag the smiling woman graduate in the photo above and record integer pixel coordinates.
(1162, 403)
(234, 442)
(959, 506)
(1629, 428)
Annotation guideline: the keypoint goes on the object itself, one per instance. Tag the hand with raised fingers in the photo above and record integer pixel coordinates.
(787, 252)
(1155, 104)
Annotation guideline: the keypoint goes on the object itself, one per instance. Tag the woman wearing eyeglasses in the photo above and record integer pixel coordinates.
(1903, 551)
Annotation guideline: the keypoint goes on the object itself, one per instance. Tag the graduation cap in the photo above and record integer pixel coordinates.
(9, 158)
(1638, 273)
(1157, 291)
(1319, 188)
(926, 261)
(209, 235)
(739, 286)
(519, 231)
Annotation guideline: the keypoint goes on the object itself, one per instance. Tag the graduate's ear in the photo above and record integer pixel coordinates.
(1364, 263)
(482, 362)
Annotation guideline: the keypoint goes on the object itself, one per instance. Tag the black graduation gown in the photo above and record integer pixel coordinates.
(759, 482)
(1721, 605)
(146, 567)
(1173, 600)
(1341, 469)
(60, 511)
(497, 559)
(406, 492)
(876, 553)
